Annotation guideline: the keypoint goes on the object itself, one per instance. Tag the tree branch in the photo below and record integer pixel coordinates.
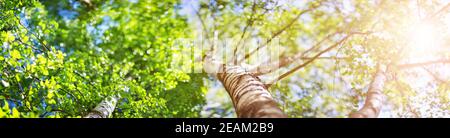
(443, 9)
(435, 77)
(37, 36)
(374, 98)
(249, 23)
(204, 28)
(104, 109)
(250, 97)
(309, 61)
(412, 65)
(267, 67)
(279, 32)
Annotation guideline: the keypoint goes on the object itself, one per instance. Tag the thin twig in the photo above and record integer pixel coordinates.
(249, 23)
(37, 37)
(287, 60)
(279, 32)
(309, 61)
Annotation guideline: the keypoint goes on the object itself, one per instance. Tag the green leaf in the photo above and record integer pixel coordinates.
(15, 54)
(25, 39)
(17, 78)
(50, 95)
(44, 72)
(15, 113)
(8, 36)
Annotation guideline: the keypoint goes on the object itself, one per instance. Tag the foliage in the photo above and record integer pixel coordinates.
(60, 60)
(336, 85)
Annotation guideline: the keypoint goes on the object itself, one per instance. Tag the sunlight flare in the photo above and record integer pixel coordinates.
(422, 39)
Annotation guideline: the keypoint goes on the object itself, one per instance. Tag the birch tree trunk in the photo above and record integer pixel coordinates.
(250, 97)
(104, 109)
(374, 98)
